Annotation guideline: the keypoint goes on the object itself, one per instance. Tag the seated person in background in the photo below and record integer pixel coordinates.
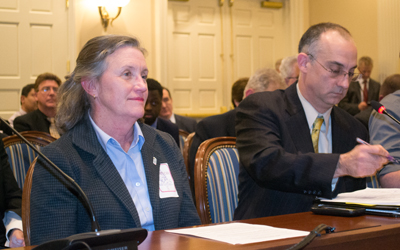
(390, 85)
(238, 91)
(42, 119)
(5, 129)
(185, 123)
(152, 110)
(289, 70)
(10, 205)
(362, 90)
(386, 132)
(2, 135)
(28, 102)
(116, 159)
(224, 124)
(295, 144)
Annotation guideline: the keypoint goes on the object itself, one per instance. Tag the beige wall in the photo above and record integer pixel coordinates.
(360, 17)
(136, 19)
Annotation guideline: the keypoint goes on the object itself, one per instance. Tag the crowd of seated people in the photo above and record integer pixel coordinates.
(118, 138)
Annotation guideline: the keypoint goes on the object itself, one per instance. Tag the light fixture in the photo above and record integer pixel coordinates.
(104, 16)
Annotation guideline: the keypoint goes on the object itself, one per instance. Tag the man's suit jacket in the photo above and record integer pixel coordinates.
(279, 172)
(211, 127)
(353, 97)
(33, 121)
(185, 123)
(10, 194)
(168, 127)
(57, 213)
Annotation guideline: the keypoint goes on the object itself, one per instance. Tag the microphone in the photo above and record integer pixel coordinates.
(108, 239)
(382, 110)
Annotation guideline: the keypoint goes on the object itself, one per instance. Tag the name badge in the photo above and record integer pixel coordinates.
(167, 185)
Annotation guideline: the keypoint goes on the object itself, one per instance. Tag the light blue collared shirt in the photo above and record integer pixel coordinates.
(325, 134)
(131, 168)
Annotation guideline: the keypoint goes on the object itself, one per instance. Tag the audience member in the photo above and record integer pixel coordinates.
(116, 159)
(10, 205)
(386, 132)
(152, 110)
(390, 85)
(5, 129)
(185, 123)
(224, 124)
(362, 90)
(28, 102)
(298, 144)
(42, 119)
(237, 91)
(289, 70)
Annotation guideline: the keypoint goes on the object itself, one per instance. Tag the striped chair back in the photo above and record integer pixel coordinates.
(20, 155)
(216, 179)
(182, 137)
(373, 182)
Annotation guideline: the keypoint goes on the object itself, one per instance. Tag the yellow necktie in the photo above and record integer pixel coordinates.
(53, 129)
(315, 132)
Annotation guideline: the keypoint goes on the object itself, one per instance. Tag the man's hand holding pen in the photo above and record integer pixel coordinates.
(364, 160)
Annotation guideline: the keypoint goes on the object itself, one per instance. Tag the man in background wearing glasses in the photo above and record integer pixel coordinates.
(295, 144)
(42, 119)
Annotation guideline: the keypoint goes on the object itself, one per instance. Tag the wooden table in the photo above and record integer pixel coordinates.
(364, 232)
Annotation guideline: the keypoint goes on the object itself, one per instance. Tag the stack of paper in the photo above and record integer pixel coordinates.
(241, 233)
(380, 201)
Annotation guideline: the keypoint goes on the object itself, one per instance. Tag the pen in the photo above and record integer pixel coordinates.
(390, 158)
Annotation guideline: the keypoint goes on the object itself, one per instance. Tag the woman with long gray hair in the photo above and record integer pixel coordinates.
(133, 174)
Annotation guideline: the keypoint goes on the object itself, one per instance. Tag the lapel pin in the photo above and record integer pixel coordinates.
(154, 160)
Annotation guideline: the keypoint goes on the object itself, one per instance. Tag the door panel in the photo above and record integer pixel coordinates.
(34, 41)
(211, 46)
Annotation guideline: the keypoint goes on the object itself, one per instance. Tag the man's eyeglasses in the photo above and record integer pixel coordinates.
(47, 89)
(338, 73)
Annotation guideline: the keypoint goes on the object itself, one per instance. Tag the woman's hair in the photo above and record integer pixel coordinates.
(73, 101)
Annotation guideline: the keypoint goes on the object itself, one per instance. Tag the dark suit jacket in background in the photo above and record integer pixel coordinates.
(10, 194)
(185, 123)
(211, 127)
(353, 97)
(6, 130)
(279, 172)
(168, 127)
(33, 121)
(364, 115)
(57, 213)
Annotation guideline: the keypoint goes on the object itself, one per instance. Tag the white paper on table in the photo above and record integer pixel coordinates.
(372, 196)
(240, 233)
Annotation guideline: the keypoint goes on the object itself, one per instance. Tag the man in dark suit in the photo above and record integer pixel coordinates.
(224, 124)
(185, 123)
(10, 204)
(46, 87)
(295, 144)
(153, 108)
(362, 90)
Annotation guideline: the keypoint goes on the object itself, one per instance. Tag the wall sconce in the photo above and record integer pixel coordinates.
(104, 16)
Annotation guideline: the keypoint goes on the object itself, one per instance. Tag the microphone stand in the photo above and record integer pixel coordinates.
(95, 224)
(127, 239)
